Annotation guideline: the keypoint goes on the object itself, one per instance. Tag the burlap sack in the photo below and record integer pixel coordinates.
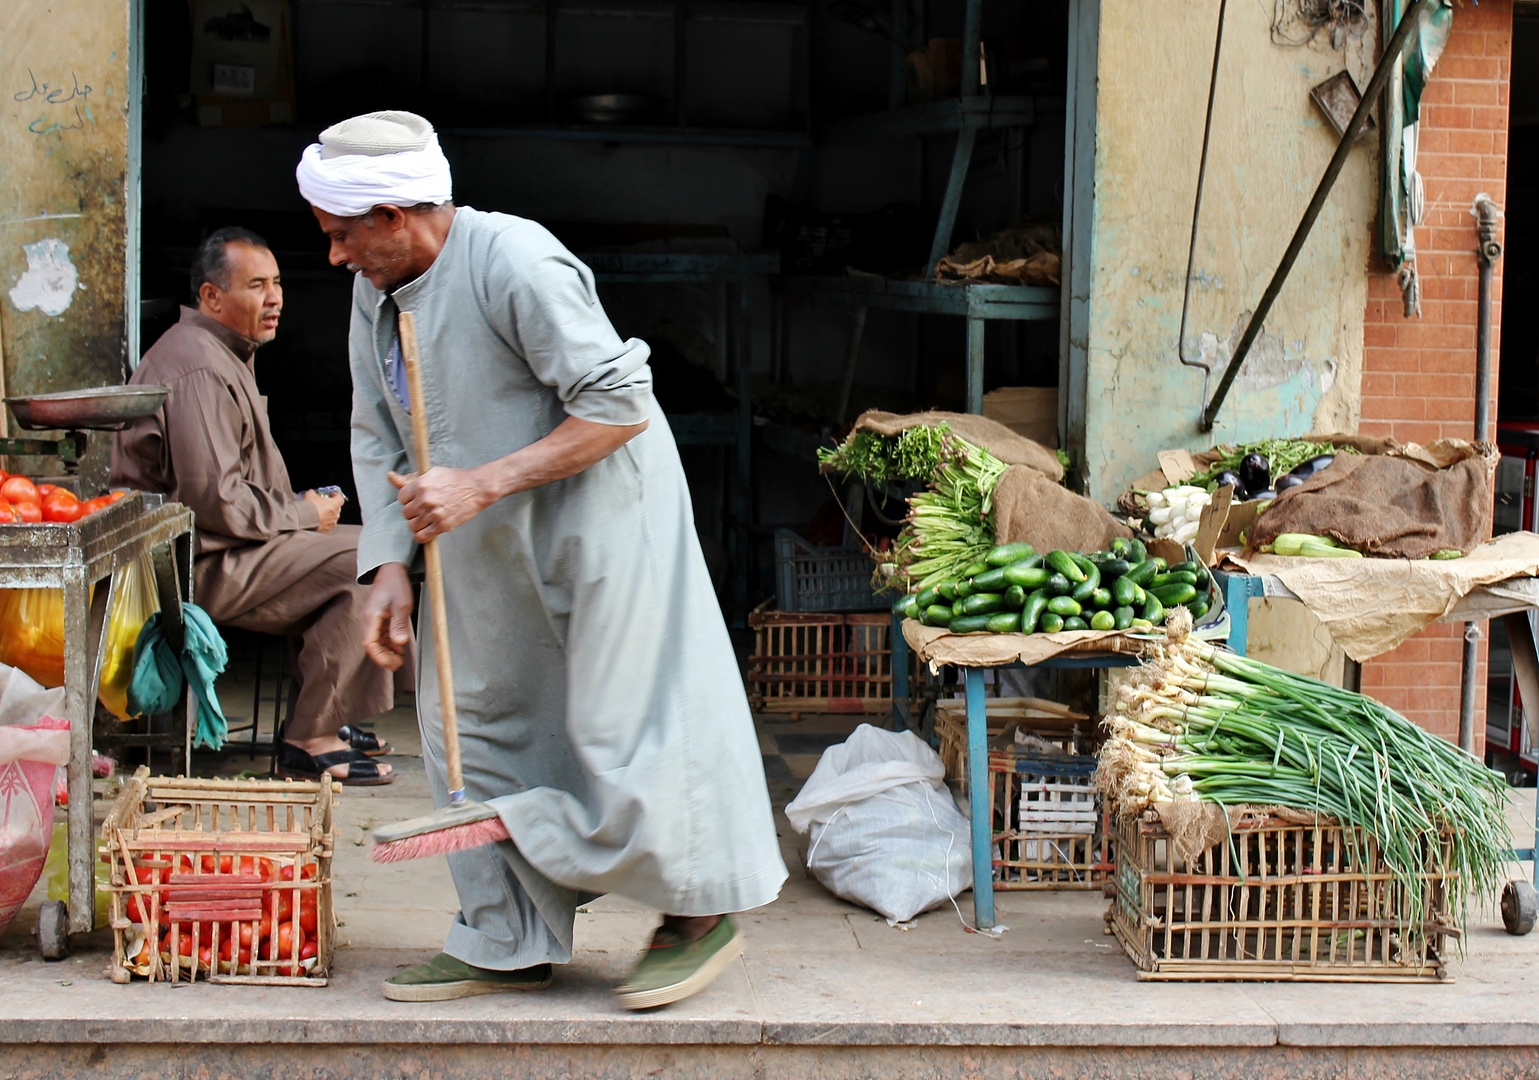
(991, 435)
(1028, 506)
(1402, 505)
(1194, 827)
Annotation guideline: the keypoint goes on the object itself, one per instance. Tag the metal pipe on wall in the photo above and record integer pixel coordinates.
(1487, 218)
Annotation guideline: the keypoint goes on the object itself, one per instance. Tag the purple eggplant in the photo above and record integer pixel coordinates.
(1255, 472)
(1230, 478)
(1291, 480)
(1262, 496)
(1312, 466)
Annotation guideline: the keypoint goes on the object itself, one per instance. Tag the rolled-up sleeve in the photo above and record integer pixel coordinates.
(377, 451)
(555, 320)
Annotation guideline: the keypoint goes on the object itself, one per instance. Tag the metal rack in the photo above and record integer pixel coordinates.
(77, 559)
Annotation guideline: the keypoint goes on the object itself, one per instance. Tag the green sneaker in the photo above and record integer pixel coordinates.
(444, 978)
(674, 967)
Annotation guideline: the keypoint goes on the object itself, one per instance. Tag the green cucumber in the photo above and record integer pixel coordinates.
(1084, 562)
(937, 615)
(1160, 565)
(1015, 598)
(1058, 585)
(1191, 566)
(964, 588)
(1027, 577)
(1103, 620)
(1174, 577)
(1122, 591)
(1198, 608)
(1006, 622)
(993, 580)
(984, 603)
(1064, 606)
(1141, 573)
(1112, 569)
(1153, 610)
(1101, 599)
(1031, 614)
(1138, 553)
(1065, 565)
(1083, 592)
(974, 569)
(957, 610)
(970, 624)
(1050, 623)
(927, 597)
(1122, 618)
(1121, 546)
(1141, 624)
(1074, 622)
(946, 591)
(909, 607)
(1139, 596)
(1171, 595)
(1005, 554)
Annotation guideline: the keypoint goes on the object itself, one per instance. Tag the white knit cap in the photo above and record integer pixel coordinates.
(378, 158)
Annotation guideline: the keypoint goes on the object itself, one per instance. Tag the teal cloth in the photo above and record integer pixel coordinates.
(159, 673)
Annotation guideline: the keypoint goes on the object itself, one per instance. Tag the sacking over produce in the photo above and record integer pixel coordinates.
(1015, 590)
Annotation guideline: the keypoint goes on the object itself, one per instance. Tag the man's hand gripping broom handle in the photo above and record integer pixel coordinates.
(435, 568)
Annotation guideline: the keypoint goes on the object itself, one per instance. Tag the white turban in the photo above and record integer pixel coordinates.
(379, 158)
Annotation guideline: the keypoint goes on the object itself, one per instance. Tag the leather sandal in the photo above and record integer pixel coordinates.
(362, 770)
(366, 741)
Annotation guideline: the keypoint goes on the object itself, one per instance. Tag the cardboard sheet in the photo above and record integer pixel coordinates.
(1371, 606)
(937, 646)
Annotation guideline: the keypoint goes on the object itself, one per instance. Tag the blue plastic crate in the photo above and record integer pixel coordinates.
(812, 578)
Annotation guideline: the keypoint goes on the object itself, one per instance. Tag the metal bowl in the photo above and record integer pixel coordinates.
(100, 408)
(612, 108)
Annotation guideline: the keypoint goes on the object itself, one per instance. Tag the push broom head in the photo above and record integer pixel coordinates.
(456, 827)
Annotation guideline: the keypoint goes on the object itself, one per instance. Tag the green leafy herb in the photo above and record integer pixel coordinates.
(1282, 456)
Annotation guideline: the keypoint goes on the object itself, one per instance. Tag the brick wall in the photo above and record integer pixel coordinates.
(1419, 375)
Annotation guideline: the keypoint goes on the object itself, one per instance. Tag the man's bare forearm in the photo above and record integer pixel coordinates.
(572, 447)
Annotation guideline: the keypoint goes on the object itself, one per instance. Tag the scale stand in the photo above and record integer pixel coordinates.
(69, 449)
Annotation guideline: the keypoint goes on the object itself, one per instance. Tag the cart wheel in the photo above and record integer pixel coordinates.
(1520, 907)
(53, 930)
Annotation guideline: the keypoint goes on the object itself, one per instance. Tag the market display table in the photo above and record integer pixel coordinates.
(76, 558)
(1078, 649)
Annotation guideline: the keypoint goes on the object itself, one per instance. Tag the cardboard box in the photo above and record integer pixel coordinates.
(1031, 411)
(242, 65)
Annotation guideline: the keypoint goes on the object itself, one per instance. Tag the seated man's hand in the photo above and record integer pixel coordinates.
(330, 507)
(441, 499)
(387, 617)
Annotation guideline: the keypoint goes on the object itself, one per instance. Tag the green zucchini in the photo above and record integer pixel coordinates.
(1027, 577)
(1153, 610)
(1050, 623)
(1061, 562)
(984, 603)
(1103, 620)
(1122, 618)
(1141, 573)
(1074, 622)
(970, 624)
(1064, 606)
(1101, 599)
(1006, 622)
(974, 569)
(1057, 585)
(937, 615)
(993, 580)
(1005, 554)
(1015, 598)
(1171, 595)
(1031, 614)
(1122, 591)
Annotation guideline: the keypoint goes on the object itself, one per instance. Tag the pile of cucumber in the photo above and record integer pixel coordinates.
(1014, 590)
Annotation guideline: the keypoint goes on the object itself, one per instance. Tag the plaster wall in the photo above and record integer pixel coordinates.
(1270, 146)
(64, 167)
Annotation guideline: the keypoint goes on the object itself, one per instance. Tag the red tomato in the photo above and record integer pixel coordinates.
(285, 940)
(268, 869)
(206, 957)
(307, 918)
(308, 871)
(44, 489)
(60, 505)
(286, 873)
(90, 506)
(8, 514)
(29, 512)
(114, 496)
(285, 906)
(307, 950)
(19, 489)
(245, 935)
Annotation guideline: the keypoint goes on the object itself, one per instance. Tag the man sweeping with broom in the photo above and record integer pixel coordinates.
(603, 727)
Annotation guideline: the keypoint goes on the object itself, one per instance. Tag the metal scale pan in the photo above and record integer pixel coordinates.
(74, 412)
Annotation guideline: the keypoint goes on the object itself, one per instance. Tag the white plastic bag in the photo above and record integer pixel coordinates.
(885, 831)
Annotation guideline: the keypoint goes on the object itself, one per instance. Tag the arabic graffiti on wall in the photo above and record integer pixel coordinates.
(62, 107)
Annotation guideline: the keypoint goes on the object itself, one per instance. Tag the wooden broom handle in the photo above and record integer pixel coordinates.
(435, 567)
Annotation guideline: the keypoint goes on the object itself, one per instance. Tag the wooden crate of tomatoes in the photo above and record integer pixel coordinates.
(223, 881)
(26, 502)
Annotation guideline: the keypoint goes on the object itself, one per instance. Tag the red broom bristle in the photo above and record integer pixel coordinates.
(440, 841)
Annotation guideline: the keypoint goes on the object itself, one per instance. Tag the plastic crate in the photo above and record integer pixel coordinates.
(1278, 900)
(812, 578)
(810, 663)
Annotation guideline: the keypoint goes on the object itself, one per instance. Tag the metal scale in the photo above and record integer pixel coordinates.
(76, 413)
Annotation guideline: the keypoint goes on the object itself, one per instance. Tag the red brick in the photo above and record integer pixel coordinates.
(1379, 335)
(1466, 142)
(1471, 92)
(1378, 384)
(1447, 409)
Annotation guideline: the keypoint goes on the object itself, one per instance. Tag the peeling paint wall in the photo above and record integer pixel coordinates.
(64, 161)
(1269, 147)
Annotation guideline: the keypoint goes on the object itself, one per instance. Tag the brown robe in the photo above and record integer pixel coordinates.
(260, 565)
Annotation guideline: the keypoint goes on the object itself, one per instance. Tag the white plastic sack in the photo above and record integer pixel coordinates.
(23, 700)
(885, 831)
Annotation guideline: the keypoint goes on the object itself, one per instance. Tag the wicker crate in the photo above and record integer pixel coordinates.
(812, 578)
(198, 865)
(1315, 902)
(808, 663)
(1049, 831)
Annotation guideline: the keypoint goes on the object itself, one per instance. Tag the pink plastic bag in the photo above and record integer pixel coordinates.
(30, 757)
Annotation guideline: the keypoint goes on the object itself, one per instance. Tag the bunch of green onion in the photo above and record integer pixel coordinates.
(1202, 723)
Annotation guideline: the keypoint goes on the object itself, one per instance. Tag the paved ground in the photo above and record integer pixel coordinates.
(818, 972)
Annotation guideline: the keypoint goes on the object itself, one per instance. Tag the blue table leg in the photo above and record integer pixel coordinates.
(978, 796)
(899, 653)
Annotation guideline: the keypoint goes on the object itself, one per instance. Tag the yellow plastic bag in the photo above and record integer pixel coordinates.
(56, 871)
(134, 600)
(32, 631)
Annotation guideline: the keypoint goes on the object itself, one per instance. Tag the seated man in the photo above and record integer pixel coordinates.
(267, 559)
